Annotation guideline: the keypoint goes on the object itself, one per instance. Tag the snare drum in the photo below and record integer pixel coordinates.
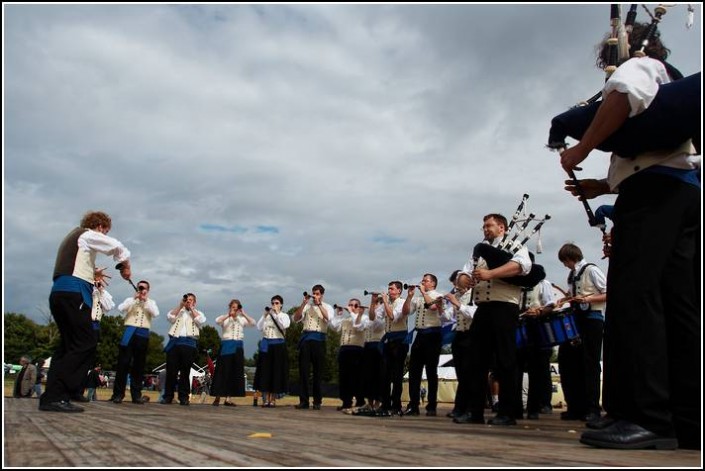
(557, 328)
(522, 334)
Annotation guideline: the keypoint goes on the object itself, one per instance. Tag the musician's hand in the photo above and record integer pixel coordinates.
(481, 274)
(572, 156)
(125, 270)
(532, 312)
(590, 188)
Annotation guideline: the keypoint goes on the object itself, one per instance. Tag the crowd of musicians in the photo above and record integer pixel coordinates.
(652, 333)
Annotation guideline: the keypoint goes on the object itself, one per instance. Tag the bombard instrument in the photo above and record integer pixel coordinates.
(378, 293)
(410, 286)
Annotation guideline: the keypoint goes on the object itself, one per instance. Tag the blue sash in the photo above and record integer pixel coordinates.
(229, 347)
(72, 284)
(131, 330)
(265, 343)
(448, 334)
(307, 335)
(397, 336)
(174, 341)
(95, 325)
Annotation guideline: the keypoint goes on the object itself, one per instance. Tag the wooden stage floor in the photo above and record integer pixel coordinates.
(200, 435)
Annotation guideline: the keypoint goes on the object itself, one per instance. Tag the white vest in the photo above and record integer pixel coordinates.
(463, 323)
(83, 268)
(584, 287)
(269, 330)
(398, 326)
(192, 329)
(314, 320)
(138, 316)
(372, 335)
(350, 335)
(97, 310)
(425, 317)
(495, 290)
(233, 329)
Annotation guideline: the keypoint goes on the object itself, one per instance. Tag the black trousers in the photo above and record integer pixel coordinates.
(393, 372)
(312, 354)
(652, 363)
(493, 337)
(579, 365)
(460, 348)
(77, 348)
(131, 358)
(536, 362)
(179, 360)
(372, 372)
(350, 375)
(425, 352)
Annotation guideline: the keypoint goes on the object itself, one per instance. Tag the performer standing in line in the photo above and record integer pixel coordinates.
(652, 374)
(70, 302)
(348, 321)
(493, 329)
(395, 346)
(182, 348)
(426, 349)
(139, 312)
(372, 360)
(462, 310)
(579, 363)
(272, 375)
(315, 315)
(229, 375)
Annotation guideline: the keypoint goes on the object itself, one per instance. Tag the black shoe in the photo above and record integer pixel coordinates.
(117, 399)
(431, 413)
(80, 399)
(165, 401)
(546, 410)
(452, 414)
(502, 420)
(140, 400)
(60, 406)
(600, 423)
(411, 412)
(591, 417)
(316, 407)
(532, 416)
(625, 435)
(301, 405)
(184, 402)
(468, 419)
(383, 413)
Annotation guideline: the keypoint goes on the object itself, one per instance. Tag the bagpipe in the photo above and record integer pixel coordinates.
(501, 254)
(670, 120)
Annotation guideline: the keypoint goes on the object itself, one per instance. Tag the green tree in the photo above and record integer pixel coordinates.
(21, 337)
(207, 340)
(155, 352)
(111, 329)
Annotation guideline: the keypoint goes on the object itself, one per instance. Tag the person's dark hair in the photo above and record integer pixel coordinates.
(654, 49)
(570, 252)
(397, 284)
(453, 276)
(144, 282)
(276, 297)
(93, 219)
(433, 278)
(318, 288)
(497, 217)
(235, 301)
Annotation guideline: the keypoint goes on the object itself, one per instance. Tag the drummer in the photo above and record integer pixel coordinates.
(579, 363)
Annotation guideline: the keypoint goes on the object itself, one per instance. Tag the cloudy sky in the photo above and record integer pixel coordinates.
(251, 150)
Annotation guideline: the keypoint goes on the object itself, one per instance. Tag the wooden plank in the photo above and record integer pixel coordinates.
(200, 435)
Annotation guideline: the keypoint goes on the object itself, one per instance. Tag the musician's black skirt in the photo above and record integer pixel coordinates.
(229, 375)
(273, 370)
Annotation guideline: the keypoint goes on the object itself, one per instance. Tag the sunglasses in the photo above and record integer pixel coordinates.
(354, 305)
